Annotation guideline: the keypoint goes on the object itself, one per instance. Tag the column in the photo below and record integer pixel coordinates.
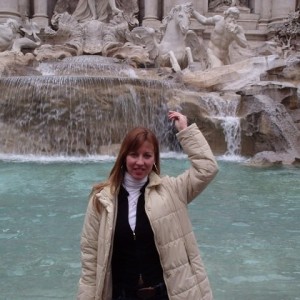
(151, 13)
(281, 9)
(40, 16)
(9, 9)
(24, 8)
(264, 8)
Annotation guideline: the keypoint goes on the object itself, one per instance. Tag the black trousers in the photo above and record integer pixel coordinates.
(136, 298)
(159, 292)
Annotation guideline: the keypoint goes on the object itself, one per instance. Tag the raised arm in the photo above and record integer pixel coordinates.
(204, 20)
(180, 120)
(203, 164)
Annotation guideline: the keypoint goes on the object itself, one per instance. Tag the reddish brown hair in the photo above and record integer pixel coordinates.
(132, 142)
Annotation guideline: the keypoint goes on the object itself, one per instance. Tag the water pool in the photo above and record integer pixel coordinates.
(247, 224)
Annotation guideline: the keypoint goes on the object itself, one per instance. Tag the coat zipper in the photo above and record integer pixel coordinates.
(141, 281)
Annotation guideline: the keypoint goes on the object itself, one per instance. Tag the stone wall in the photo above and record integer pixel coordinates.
(258, 14)
(255, 17)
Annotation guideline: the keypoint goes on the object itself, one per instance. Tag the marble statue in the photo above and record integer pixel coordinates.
(213, 4)
(222, 5)
(225, 32)
(64, 38)
(172, 50)
(9, 31)
(30, 40)
(95, 10)
(15, 36)
(100, 36)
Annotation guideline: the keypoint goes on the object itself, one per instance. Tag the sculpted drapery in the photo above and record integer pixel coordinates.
(213, 4)
(95, 9)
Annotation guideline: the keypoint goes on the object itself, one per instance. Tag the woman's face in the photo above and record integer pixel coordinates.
(139, 163)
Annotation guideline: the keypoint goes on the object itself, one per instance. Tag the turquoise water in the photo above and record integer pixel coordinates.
(247, 223)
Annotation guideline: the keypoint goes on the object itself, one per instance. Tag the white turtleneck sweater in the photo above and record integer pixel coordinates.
(133, 187)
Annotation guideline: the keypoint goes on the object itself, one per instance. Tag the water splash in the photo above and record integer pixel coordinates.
(225, 110)
(77, 115)
(86, 65)
(232, 130)
(45, 159)
(85, 105)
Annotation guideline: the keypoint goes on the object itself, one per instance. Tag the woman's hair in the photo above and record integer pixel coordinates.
(132, 142)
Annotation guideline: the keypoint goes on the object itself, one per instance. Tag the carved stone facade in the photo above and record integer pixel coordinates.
(38, 10)
(255, 16)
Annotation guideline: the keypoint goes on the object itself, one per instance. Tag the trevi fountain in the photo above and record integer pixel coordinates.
(75, 75)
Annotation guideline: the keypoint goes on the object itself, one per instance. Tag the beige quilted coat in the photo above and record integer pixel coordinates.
(166, 200)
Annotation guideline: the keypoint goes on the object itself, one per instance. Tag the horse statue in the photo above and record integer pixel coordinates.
(172, 50)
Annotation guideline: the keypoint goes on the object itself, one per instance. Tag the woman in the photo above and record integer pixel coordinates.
(137, 240)
(87, 10)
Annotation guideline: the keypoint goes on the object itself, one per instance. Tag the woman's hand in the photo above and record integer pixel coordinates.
(180, 120)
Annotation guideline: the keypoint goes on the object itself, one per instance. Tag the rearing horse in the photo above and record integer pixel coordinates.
(172, 49)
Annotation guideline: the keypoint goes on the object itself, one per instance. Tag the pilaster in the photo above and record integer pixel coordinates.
(151, 18)
(40, 16)
(281, 9)
(9, 9)
(265, 10)
(24, 8)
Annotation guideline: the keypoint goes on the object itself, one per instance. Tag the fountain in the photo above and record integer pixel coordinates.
(66, 104)
(58, 99)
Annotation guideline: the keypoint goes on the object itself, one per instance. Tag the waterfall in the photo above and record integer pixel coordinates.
(82, 106)
(232, 131)
(85, 105)
(225, 110)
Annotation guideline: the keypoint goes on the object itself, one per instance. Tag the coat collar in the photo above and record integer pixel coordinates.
(107, 199)
(154, 179)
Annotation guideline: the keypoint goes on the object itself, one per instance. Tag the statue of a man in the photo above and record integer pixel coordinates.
(226, 31)
(95, 10)
(9, 32)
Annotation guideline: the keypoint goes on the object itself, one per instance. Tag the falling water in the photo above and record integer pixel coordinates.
(79, 114)
(87, 66)
(232, 130)
(85, 105)
(224, 110)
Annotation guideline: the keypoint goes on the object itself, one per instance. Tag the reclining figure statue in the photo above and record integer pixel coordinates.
(16, 37)
(9, 32)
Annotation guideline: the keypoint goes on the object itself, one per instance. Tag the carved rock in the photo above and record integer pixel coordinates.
(232, 77)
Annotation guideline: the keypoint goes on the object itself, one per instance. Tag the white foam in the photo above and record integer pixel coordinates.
(232, 158)
(54, 159)
(74, 159)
